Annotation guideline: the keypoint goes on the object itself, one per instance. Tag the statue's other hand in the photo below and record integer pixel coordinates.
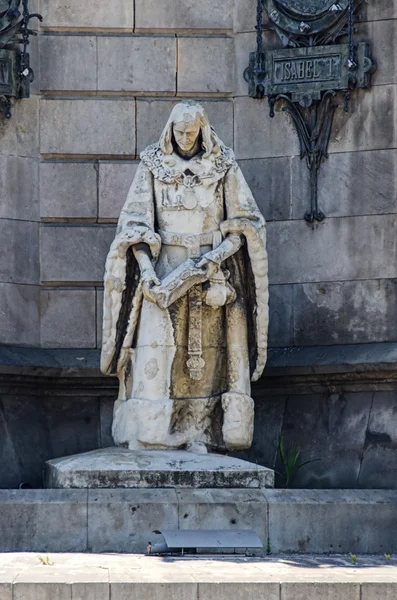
(149, 282)
(208, 266)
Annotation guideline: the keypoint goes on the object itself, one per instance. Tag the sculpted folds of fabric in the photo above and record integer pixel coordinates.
(186, 295)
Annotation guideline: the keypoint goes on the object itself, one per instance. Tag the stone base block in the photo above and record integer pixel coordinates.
(122, 468)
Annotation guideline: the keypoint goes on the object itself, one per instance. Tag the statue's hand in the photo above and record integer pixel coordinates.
(149, 282)
(208, 266)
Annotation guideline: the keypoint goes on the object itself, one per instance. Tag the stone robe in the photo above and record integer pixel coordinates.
(184, 209)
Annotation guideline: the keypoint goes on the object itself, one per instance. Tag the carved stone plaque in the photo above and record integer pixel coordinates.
(305, 17)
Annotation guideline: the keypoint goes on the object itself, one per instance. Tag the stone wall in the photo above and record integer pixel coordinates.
(108, 78)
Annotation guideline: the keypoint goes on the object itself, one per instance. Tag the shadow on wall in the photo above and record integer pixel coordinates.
(354, 435)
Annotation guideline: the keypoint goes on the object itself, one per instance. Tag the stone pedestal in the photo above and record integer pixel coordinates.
(121, 468)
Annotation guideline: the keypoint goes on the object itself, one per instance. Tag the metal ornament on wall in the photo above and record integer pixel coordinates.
(16, 74)
(308, 72)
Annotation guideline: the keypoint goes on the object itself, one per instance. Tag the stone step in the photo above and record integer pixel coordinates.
(122, 520)
(137, 577)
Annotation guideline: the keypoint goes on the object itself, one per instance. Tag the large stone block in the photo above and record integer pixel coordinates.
(357, 522)
(378, 468)
(6, 591)
(270, 182)
(152, 116)
(91, 126)
(205, 65)
(74, 254)
(20, 135)
(35, 428)
(356, 312)
(316, 590)
(68, 318)
(68, 62)
(244, 590)
(58, 13)
(244, 15)
(19, 256)
(126, 64)
(330, 430)
(333, 250)
(244, 44)
(68, 190)
(256, 135)
(114, 182)
(182, 14)
(19, 188)
(166, 590)
(374, 591)
(43, 520)
(19, 314)
(371, 123)
(124, 520)
(382, 36)
(349, 183)
(223, 509)
(40, 591)
(378, 10)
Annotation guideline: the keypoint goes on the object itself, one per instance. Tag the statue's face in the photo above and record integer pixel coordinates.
(186, 134)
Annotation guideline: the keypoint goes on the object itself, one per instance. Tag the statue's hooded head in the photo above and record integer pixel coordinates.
(188, 123)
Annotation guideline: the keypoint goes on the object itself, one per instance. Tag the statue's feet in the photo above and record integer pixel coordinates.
(238, 420)
(197, 448)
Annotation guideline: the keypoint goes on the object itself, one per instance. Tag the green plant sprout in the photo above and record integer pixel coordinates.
(354, 558)
(45, 560)
(290, 461)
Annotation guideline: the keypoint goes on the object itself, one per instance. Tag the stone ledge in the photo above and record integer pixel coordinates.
(301, 521)
(301, 360)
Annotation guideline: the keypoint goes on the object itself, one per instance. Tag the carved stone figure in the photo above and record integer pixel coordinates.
(186, 295)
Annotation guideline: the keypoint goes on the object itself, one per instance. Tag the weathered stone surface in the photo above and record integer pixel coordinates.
(244, 44)
(19, 189)
(270, 182)
(281, 316)
(68, 318)
(166, 591)
(91, 591)
(126, 64)
(68, 190)
(122, 468)
(350, 183)
(350, 521)
(256, 135)
(74, 14)
(371, 123)
(105, 422)
(245, 590)
(40, 521)
(114, 182)
(179, 14)
(333, 250)
(68, 62)
(99, 312)
(378, 468)
(91, 126)
(244, 15)
(314, 591)
(374, 591)
(337, 426)
(6, 591)
(19, 258)
(379, 10)
(130, 517)
(48, 591)
(382, 36)
(74, 254)
(19, 314)
(152, 114)
(350, 312)
(223, 509)
(51, 424)
(205, 64)
(20, 135)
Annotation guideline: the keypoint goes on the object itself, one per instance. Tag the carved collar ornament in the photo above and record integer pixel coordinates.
(171, 168)
(319, 58)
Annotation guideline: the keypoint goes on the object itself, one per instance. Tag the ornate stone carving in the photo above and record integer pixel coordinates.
(186, 295)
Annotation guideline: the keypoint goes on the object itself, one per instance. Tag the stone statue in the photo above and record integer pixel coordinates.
(186, 295)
